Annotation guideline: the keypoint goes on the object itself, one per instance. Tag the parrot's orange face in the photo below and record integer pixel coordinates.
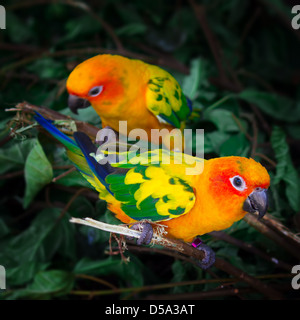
(96, 82)
(243, 181)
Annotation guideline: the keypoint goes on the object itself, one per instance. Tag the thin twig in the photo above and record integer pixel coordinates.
(276, 225)
(254, 282)
(169, 285)
(200, 295)
(64, 174)
(232, 84)
(163, 251)
(67, 206)
(171, 63)
(266, 158)
(5, 140)
(257, 78)
(214, 45)
(95, 279)
(89, 193)
(250, 248)
(219, 292)
(276, 237)
(12, 175)
(19, 173)
(249, 25)
(255, 133)
(85, 7)
(242, 129)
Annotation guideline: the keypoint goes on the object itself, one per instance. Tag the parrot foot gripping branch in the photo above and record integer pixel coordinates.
(207, 255)
(123, 230)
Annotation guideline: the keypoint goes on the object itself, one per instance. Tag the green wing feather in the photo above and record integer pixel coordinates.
(165, 98)
(152, 191)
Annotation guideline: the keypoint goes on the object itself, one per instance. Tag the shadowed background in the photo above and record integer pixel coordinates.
(238, 61)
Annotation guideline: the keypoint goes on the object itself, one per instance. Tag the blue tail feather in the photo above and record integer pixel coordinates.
(47, 124)
(82, 146)
(87, 147)
(190, 104)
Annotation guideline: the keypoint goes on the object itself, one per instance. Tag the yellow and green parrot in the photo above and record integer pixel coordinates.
(122, 89)
(189, 205)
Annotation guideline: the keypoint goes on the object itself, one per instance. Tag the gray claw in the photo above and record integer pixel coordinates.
(147, 233)
(209, 259)
(146, 236)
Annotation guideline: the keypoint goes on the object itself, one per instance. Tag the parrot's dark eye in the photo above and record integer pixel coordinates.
(238, 183)
(94, 92)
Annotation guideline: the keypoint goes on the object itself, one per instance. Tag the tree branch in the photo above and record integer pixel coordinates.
(277, 236)
(186, 249)
(29, 108)
(220, 235)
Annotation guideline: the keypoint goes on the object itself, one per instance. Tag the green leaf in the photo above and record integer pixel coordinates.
(132, 272)
(285, 170)
(32, 250)
(61, 240)
(179, 274)
(236, 145)
(38, 173)
(27, 245)
(47, 68)
(275, 105)
(15, 156)
(23, 274)
(293, 130)
(81, 26)
(223, 119)
(132, 29)
(85, 115)
(19, 31)
(191, 83)
(281, 6)
(50, 283)
(74, 179)
(214, 140)
(37, 244)
(129, 272)
(4, 230)
(99, 267)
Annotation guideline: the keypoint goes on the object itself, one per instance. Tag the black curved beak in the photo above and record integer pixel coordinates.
(75, 103)
(257, 201)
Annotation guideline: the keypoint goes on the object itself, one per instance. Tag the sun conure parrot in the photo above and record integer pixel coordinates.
(122, 89)
(188, 204)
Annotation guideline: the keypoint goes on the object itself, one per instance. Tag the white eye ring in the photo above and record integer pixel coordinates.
(95, 91)
(238, 183)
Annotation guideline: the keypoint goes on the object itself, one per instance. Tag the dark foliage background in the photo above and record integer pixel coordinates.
(238, 61)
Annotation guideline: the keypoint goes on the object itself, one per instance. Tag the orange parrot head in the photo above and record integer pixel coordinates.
(244, 181)
(98, 81)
